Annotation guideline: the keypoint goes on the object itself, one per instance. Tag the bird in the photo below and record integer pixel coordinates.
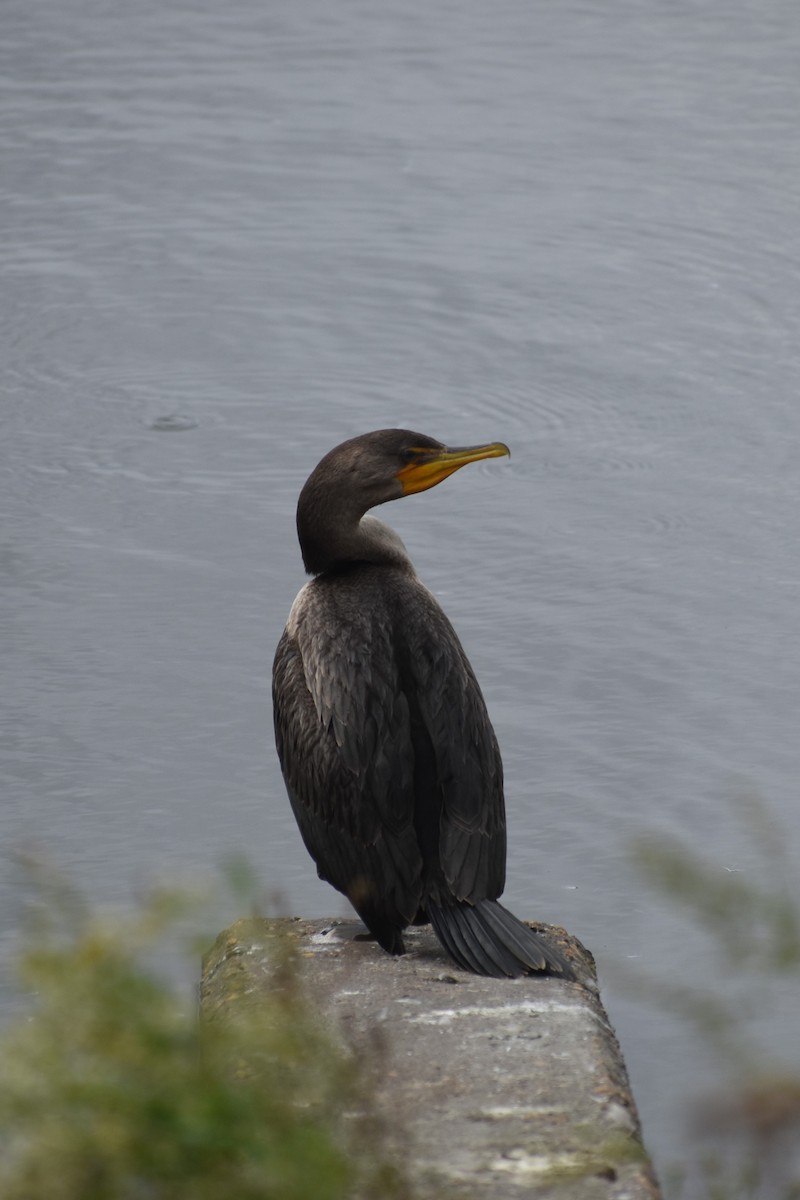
(390, 761)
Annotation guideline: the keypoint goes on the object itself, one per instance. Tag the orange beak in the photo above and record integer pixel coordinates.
(430, 467)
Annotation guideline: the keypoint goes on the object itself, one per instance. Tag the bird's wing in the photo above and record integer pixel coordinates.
(472, 835)
(342, 732)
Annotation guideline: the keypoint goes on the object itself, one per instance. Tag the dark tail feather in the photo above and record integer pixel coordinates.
(448, 935)
(487, 939)
(466, 945)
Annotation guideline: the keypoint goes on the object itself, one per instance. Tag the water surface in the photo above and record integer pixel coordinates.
(234, 235)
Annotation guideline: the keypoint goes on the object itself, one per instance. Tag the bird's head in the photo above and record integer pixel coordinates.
(363, 472)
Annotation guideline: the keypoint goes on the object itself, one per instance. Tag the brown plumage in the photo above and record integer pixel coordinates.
(389, 757)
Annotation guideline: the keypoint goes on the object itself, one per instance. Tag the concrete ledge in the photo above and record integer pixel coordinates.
(504, 1088)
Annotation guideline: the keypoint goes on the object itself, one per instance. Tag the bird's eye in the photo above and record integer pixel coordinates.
(408, 456)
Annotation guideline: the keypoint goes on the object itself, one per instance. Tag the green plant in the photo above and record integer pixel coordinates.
(112, 1089)
(748, 1136)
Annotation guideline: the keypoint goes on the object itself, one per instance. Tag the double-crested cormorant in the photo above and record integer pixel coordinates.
(390, 760)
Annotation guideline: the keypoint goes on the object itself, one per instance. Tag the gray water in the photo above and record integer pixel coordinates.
(233, 235)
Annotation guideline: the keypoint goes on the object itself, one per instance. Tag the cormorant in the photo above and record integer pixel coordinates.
(390, 760)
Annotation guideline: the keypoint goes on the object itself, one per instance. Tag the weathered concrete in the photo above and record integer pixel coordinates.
(504, 1088)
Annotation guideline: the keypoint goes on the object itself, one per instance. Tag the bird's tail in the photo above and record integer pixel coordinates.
(487, 939)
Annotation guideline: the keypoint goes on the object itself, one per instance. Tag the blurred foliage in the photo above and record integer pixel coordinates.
(750, 1135)
(113, 1089)
(755, 926)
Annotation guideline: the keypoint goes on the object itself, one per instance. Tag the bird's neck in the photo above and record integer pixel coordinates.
(330, 536)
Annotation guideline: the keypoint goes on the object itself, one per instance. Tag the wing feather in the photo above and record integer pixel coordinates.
(342, 731)
(381, 728)
(469, 766)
